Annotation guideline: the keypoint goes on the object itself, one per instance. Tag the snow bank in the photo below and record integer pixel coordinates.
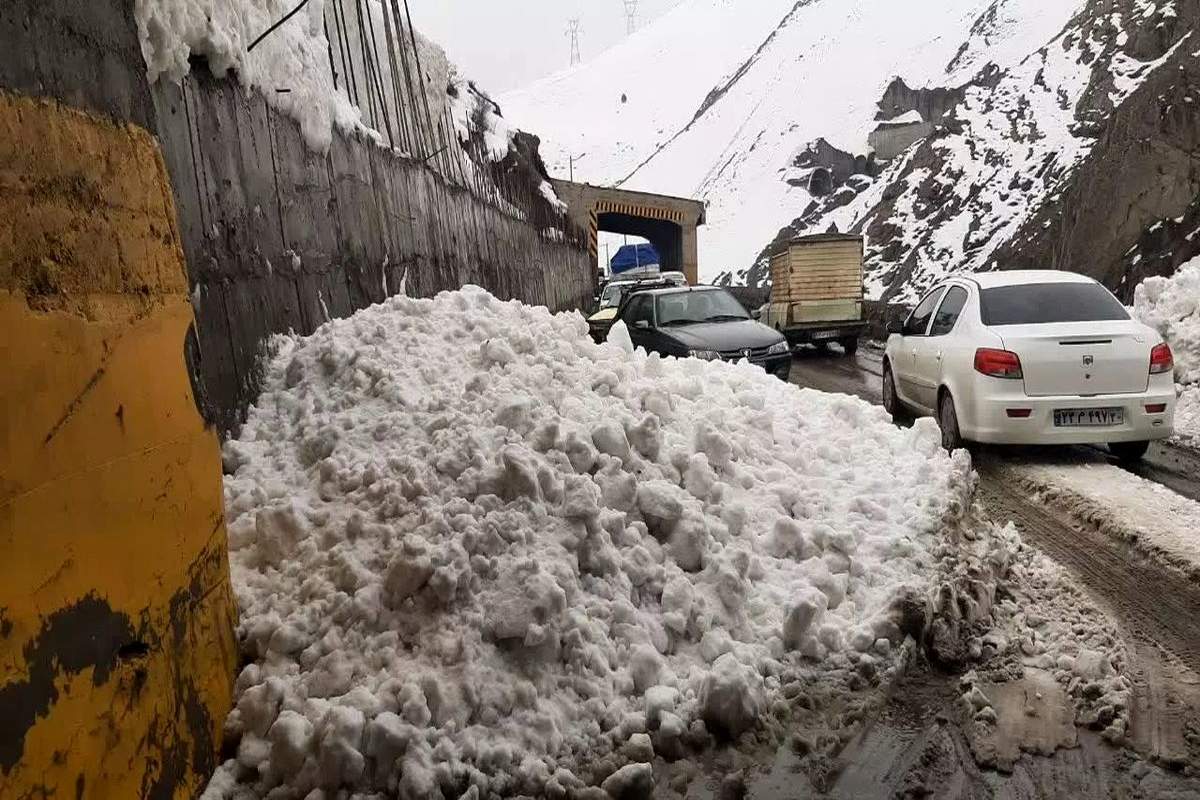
(1172, 306)
(290, 67)
(471, 548)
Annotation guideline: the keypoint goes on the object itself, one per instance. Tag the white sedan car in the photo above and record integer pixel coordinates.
(1031, 357)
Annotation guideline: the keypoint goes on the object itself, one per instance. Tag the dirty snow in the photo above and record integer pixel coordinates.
(1047, 625)
(1172, 306)
(474, 551)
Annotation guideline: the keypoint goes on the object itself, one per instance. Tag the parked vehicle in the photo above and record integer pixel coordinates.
(612, 293)
(817, 290)
(702, 322)
(1031, 357)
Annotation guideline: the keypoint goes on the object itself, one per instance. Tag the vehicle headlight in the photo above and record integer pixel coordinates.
(705, 355)
(779, 348)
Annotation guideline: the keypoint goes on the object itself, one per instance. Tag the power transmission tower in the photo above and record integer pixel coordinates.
(573, 31)
(631, 16)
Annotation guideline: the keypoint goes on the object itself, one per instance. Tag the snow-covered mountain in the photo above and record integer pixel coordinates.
(766, 111)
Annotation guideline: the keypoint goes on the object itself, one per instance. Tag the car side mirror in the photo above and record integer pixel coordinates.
(895, 326)
(642, 325)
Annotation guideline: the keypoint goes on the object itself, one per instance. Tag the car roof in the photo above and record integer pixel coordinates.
(1017, 277)
(657, 289)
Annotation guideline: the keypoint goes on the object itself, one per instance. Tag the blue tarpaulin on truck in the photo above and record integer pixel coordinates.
(632, 256)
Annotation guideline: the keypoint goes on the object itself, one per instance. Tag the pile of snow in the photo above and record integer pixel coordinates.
(475, 552)
(1172, 306)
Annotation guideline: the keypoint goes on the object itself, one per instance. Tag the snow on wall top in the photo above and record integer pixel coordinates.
(291, 68)
(472, 547)
(294, 57)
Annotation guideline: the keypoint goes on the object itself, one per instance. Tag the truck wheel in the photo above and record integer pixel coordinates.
(849, 344)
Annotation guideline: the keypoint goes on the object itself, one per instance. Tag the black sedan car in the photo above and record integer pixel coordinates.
(702, 322)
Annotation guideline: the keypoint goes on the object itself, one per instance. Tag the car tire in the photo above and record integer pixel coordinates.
(948, 422)
(849, 344)
(1128, 452)
(891, 401)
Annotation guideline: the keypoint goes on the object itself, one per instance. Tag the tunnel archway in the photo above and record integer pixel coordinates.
(669, 223)
(666, 236)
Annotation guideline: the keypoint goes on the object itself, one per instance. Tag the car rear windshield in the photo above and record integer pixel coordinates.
(1034, 303)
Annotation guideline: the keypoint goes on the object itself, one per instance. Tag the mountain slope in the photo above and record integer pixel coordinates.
(612, 112)
(1013, 96)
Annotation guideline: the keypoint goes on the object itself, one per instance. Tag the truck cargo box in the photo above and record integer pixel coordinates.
(817, 289)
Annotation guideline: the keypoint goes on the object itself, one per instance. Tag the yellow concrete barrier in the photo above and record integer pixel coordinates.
(116, 615)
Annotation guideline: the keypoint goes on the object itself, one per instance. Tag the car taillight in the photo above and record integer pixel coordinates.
(1161, 359)
(997, 363)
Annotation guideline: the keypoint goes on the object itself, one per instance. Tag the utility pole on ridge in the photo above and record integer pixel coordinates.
(573, 31)
(631, 16)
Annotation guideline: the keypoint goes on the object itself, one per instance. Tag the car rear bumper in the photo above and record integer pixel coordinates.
(820, 332)
(989, 420)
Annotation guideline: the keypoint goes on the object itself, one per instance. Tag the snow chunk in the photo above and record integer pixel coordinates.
(731, 697)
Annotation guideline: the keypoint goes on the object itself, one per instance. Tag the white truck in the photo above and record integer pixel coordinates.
(817, 290)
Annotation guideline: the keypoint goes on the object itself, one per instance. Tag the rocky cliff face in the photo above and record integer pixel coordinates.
(1083, 156)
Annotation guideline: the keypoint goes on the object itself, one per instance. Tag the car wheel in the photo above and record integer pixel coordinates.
(1128, 451)
(849, 344)
(891, 401)
(948, 422)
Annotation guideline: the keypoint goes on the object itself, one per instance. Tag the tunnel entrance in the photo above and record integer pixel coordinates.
(669, 223)
(666, 236)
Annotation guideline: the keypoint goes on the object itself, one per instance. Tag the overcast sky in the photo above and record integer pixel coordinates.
(505, 44)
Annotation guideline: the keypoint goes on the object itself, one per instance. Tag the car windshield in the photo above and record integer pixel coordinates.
(1035, 303)
(612, 294)
(710, 305)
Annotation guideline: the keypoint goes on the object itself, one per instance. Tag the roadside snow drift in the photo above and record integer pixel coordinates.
(472, 548)
(1172, 306)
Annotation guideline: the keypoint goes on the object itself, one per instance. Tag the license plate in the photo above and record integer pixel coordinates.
(822, 335)
(1088, 417)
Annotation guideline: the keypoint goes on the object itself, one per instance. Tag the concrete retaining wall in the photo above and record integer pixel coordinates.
(280, 238)
(117, 646)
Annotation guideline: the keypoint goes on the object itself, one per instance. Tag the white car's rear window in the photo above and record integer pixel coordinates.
(1035, 303)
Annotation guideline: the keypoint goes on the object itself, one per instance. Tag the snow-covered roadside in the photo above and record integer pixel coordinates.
(1156, 521)
(1172, 306)
(474, 551)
